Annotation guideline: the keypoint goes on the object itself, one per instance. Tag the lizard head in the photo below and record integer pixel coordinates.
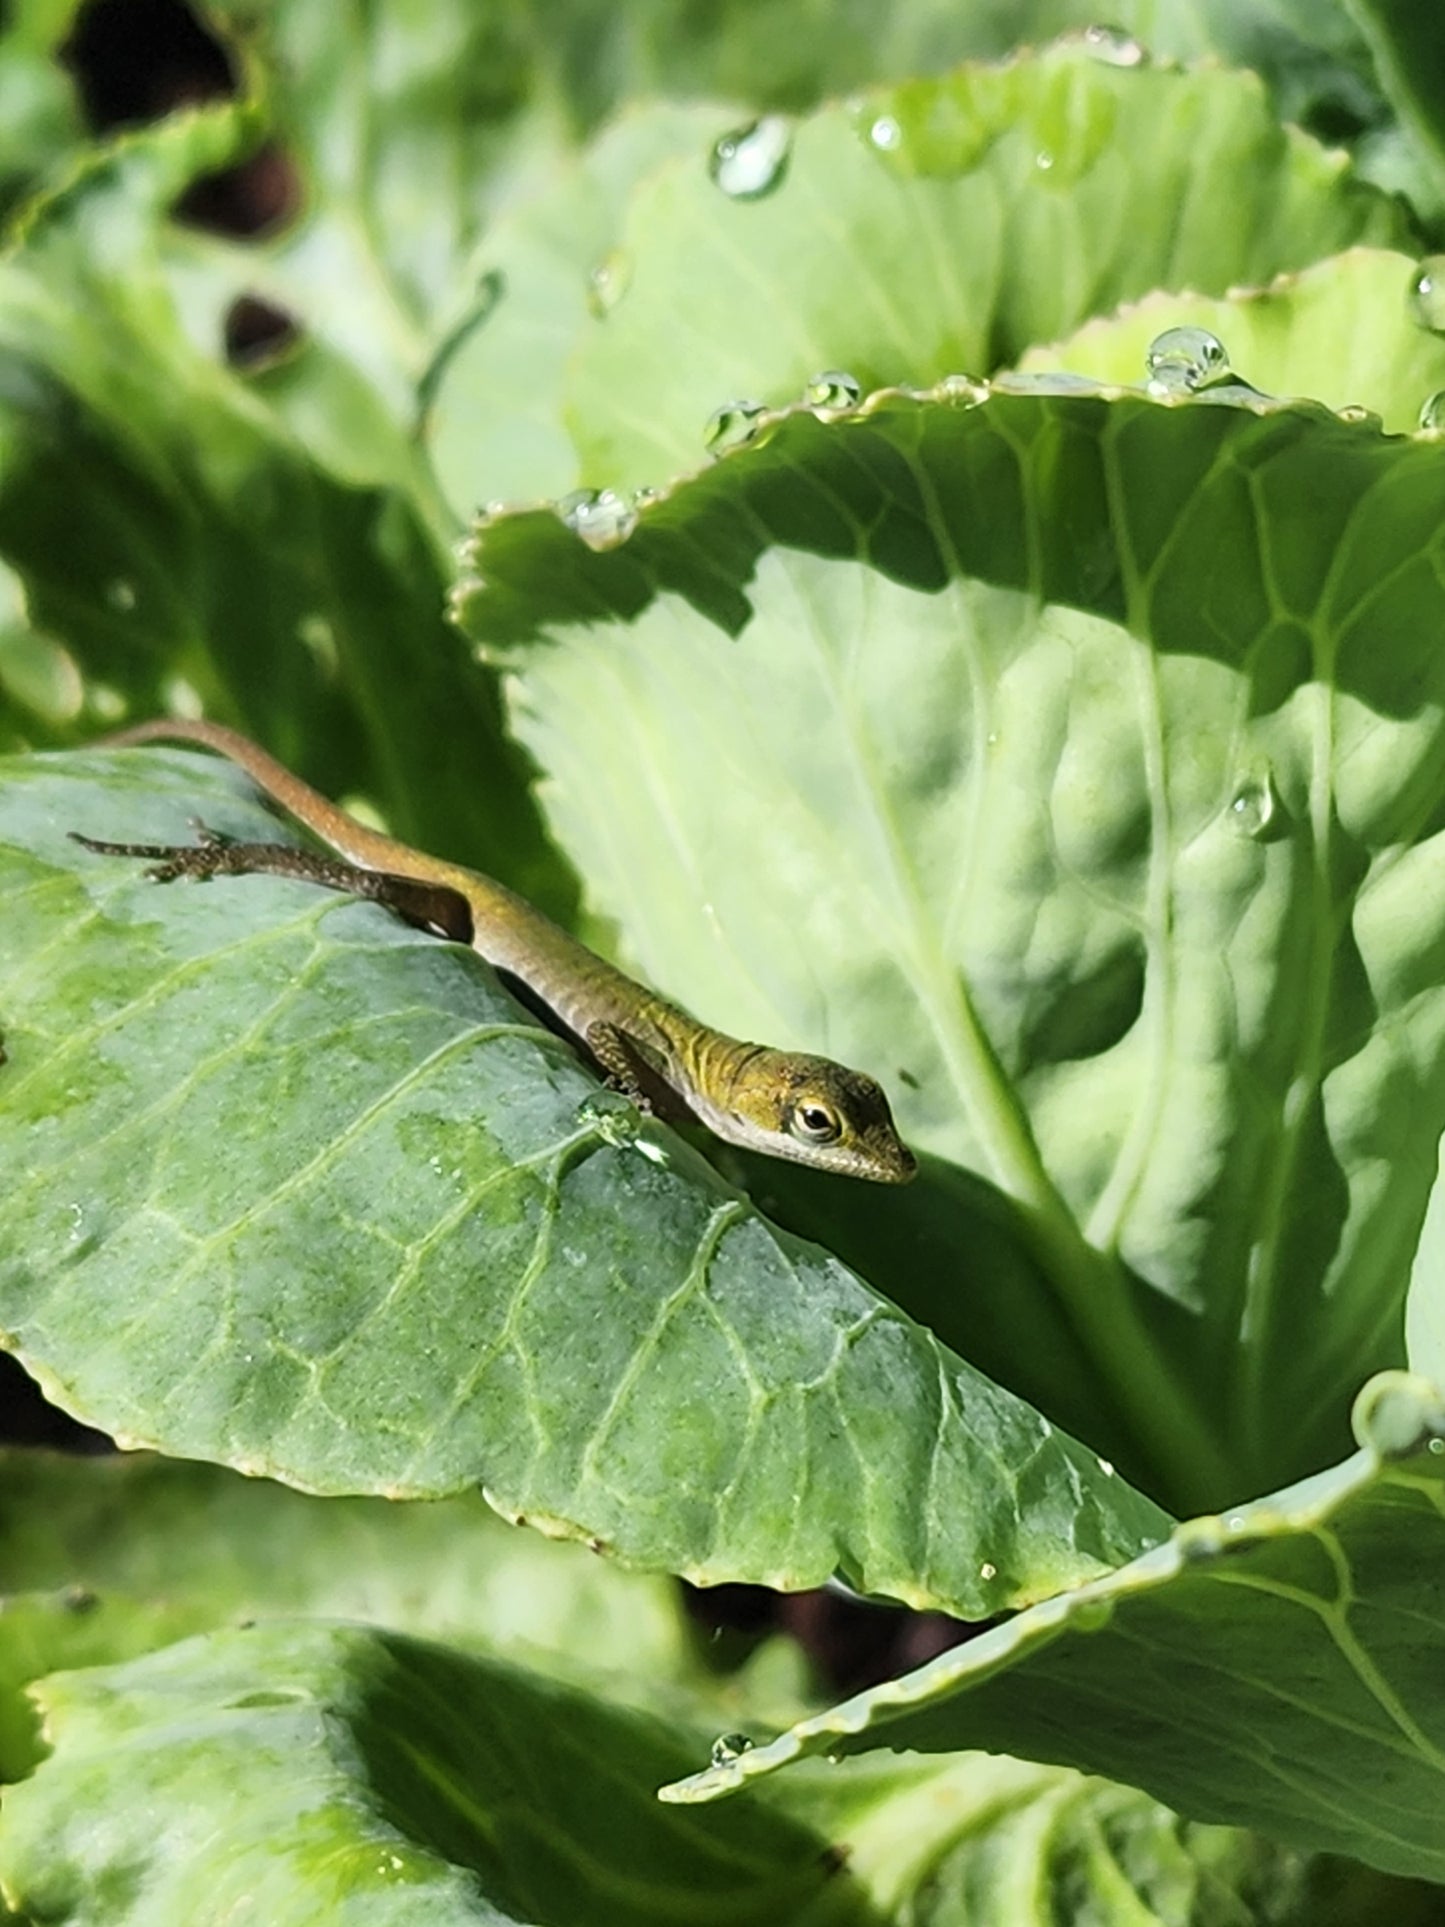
(816, 1112)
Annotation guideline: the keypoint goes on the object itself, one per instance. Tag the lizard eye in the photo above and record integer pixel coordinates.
(815, 1123)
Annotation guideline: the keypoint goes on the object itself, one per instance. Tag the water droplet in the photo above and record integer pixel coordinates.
(1106, 1468)
(885, 134)
(1180, 359)
(77, 1222)
(964, 391)
(1437, 1446)
(732, 425)
(1114, 47)
(751, 161)
(1432, 412)
(120, 594)
(1427, 294)
(645, 496)
(602, 518)
(615, 1118)
(1043, 160)
(729, 1747)
(833, 389)
(988, 1570)
(1362, 417)
(1254, 806)
(607, 283)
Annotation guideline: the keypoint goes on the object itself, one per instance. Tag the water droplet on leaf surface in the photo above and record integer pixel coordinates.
(1181, 359)
(834, 388)
(607, 283)
(732, 425)
(885, 134)
(751, 161)
(1254, 806)
(729, 1747)
(615, 1118)
(1427, 293)
(988, 1570)
(1432, 412)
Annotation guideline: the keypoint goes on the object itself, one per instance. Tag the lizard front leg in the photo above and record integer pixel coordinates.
(621, 1062)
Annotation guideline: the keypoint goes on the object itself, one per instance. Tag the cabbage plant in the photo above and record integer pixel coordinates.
(922, 548)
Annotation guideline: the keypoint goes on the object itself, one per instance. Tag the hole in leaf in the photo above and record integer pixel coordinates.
(137, 60)
(256, 333)
(250, 201)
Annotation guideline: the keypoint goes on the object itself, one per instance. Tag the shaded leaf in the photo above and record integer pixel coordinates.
(304, 1770)
(105, 1559)
(1279, 1665)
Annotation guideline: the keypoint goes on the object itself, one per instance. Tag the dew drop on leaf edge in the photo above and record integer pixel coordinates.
(728, 1747)
(833, 388)
(1112, 47)
(1432, 412)
(751, 161)
(732, 425)
(886, 134)
(600, 517)
(1182, 359)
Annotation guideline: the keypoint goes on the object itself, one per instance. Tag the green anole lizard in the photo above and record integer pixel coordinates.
(786, 1103)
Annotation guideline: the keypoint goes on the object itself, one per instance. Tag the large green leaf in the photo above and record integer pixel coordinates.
(330, 1772)
(106, 1559)
(1097, 746)
(945, 224)
(411, 130)
(429, 1258)
(136, 1553)
(1280, 1663)
(310, 1772)
(977, 1840)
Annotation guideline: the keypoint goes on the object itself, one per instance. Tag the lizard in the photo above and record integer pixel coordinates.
(788, 1104)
